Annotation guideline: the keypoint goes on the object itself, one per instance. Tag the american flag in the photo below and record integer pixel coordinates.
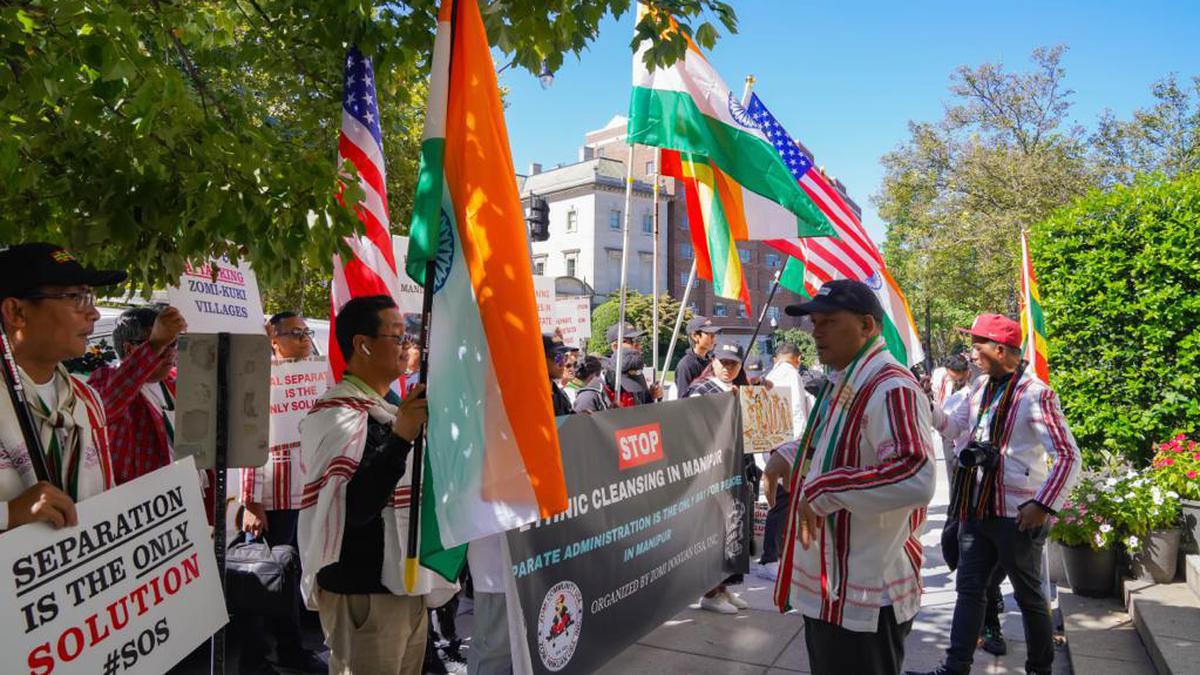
(849, 255)
(372, 269)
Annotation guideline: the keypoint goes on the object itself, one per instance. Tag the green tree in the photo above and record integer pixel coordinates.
(1164, 137)
(639, 310)
(1119, 274)
(957, 194)
(145, 134)
(802, 339)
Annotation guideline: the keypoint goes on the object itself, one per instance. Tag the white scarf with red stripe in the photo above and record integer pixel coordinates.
(333, 437)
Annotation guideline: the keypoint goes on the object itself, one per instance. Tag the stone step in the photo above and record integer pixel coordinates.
(1101, 638)
(1167, 617)
(1192, 572)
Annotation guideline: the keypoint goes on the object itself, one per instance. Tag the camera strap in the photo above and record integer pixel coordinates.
(972, 494)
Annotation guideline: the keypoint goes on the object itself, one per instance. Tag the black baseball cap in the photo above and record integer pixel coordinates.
(728, 350)
(702, 324)
(553, 348)
(852, 296)
(24, 268)
(630, 332)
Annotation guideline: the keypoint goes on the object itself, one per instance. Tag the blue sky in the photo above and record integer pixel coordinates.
(846, 78)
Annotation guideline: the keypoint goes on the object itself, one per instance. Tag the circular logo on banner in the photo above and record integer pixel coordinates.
(874, 282)
(734, 532)
(559, 623)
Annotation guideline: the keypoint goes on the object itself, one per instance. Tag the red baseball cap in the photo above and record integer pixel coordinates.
(996, 328)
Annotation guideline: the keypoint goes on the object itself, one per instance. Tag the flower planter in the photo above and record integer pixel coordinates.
(1090, 572)
(1191, 525)
(1158, 557)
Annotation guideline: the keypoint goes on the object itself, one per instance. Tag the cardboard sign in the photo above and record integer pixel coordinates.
(411, 294)
(573, 317)
(132, 589)
(543, 292)
(229, 304)
(766, 418)
(295, 387)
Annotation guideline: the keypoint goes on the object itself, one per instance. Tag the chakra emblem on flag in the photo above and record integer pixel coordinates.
(445, 253)
(740, 114)
(874, 282)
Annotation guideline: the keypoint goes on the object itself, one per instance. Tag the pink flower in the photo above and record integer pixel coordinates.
(1191, 474)
(1196, 455)
(1168, 461)
(1181, 437)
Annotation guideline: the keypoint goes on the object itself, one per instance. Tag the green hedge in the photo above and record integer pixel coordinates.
(1119, 274)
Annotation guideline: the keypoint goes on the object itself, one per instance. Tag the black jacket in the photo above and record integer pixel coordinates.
(689, 368)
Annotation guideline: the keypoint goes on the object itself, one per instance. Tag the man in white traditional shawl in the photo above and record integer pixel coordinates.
(863, 476)
(49, 310)
(355, 449)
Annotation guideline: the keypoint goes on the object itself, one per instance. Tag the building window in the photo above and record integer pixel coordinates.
(614, 219)
(683, 221)
(683, 277)
(744, 255)
(539, 267)
(572, 261)
(650, 167)
(647, 223)
(685, 251)
(741, 311)
(773, 313)
(572, 222)
(719, 309)
(694, 306)
(772, 260)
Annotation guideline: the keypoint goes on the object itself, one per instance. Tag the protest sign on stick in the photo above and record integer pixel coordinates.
(766, 417)
(219, 297)
(134, 588)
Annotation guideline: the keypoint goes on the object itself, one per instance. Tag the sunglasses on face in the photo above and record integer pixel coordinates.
(298, 334)
(83, 300)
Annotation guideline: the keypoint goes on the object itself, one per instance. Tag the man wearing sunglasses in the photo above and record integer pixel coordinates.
(291, 338)
(48, 308)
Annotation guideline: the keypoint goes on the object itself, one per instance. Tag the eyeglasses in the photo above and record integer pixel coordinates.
(84, 300)
(398, 339)
(298, 334)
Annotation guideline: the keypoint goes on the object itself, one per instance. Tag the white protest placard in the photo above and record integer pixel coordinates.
(766, 417)
(411, 294)
(230, 304)
(573, 317)
(295, 387)
(543, 292)
(132, 589)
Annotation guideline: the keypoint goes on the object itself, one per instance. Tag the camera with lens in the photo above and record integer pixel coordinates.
(979, 454)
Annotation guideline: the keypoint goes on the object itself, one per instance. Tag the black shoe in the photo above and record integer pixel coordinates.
(992, 641)
(304, 661)
(434, 666)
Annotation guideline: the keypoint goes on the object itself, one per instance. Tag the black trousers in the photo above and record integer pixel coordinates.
(833, 650)
(995, 598)
(773, 530)
(282, 529)
(985, 546)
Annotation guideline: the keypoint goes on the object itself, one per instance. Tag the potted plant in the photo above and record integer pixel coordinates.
(1084, 529)
(1176, 468)
(1147, 517)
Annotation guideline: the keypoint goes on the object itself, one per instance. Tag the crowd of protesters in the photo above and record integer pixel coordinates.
(849, 491)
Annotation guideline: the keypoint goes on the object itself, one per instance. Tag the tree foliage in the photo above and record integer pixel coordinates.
(1164, 137)
(1119, 274)
(145, 134)
(802, 339)
(639, 310)
(957, 194)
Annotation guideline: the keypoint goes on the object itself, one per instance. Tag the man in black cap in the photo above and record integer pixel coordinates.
(634, 389)
(555, 353)
(703, 335)
(48, 310)
(866, 471)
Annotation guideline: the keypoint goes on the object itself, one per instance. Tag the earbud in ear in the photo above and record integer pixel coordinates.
(366, 350)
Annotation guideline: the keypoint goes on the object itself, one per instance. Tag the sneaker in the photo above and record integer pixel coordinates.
(992, 641)
(768, 571)
(736, 600)
(717, 604)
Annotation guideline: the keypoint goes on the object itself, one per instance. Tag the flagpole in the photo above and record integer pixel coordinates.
(762, 314)
(411, 554)
(687, 291)
(617, 370)
(654, 266)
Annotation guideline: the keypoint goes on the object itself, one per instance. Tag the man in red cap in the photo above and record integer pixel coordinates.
(1003, 493)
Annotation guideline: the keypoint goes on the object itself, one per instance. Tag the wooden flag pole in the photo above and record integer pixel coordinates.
(617, 369)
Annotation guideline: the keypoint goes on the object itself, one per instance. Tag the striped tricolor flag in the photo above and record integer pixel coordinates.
(1033, 322)
(372, 269)
(850, 254)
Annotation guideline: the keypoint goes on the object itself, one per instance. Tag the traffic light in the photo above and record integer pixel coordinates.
(538, 218)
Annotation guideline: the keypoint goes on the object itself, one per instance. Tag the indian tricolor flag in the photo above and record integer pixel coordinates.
(1033, 322)
(492, 458)
(716, 217)
(687, 107)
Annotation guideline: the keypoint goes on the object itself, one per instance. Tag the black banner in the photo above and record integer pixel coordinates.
(657, 518)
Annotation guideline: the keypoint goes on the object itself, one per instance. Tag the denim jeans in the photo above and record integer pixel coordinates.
(985, 546)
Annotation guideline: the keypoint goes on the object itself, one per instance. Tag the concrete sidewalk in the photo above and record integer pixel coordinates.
(761, 640)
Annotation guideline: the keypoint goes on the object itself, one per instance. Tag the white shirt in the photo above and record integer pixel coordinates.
(785, 375)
